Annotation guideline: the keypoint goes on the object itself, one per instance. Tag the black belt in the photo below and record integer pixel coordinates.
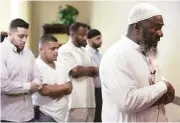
(36, 112)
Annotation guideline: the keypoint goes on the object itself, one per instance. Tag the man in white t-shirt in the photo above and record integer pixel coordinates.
(74, 55)
(51, 103)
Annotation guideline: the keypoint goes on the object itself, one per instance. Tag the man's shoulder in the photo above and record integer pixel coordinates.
(38, 59)
(64, 46)
(60, 66)
(119, 50)
(28, 51)
(40, 63)
(65, 50)
(3, 46)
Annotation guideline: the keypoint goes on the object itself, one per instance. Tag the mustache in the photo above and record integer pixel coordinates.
(22, 43)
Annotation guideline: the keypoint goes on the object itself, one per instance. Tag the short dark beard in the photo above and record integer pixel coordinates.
(18, 49)
(84, 44)
(95, 46)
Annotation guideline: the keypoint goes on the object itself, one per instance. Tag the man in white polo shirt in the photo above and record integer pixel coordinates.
(52, 100)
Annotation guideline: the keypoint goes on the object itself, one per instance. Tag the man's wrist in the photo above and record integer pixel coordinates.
(40, 86)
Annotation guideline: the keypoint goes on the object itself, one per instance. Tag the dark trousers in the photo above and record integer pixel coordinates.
(40, 117)
(44, 118)
(98, 97)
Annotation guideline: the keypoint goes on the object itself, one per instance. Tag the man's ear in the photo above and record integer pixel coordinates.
(40, 48)
(88, 40)
(137, 27)
(9, 33)
(72, 33)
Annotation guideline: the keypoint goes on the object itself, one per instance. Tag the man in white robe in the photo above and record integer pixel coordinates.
(52, 100)
(82, 73)
(132, 89)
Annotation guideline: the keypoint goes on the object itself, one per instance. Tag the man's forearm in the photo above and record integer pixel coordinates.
(53, 90)
(83, 71)
(165, 99)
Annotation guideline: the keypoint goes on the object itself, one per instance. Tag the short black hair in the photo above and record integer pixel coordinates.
(47, 38)
(75, 26)
(18, 23)
(92, 33)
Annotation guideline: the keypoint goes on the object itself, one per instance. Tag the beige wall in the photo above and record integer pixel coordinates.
(44, 12)
(5, 14)
(38, 13)
(22, 9)
(111, 19)
(11, 9)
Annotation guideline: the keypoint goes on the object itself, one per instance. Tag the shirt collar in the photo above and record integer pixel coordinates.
(73, 46)
(131, 42)
(91, 49)
(10, 45)
(42, 61)
(70, 43)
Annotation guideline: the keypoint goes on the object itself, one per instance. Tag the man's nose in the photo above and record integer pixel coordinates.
(160, 33)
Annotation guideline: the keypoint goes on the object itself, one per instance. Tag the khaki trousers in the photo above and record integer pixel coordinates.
(81, 115)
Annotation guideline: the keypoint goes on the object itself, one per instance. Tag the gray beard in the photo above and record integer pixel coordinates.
(149, 51)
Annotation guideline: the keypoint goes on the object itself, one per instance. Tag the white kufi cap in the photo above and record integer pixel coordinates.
(141, 12)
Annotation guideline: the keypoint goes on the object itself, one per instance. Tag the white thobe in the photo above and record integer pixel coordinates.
(55, 108)
(82, 95)
(127, 95)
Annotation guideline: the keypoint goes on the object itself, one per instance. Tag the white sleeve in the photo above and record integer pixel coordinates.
(63, 74)
(120, 87)
(7, 85)
(66, 75)
(67, 59)
(37, 76)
